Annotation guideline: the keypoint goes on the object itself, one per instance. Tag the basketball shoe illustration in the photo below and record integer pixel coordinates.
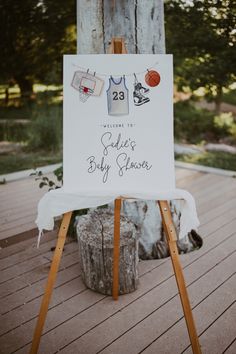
(139, 93)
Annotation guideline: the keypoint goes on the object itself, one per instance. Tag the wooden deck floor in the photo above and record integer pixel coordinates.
(150, 320)
(18, 207)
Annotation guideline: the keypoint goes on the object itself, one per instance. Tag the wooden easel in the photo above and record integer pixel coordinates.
(118, 47)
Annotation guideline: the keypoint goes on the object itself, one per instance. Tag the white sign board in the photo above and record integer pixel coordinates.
(118, 124)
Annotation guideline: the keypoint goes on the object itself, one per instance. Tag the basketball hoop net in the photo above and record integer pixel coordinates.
(84, 93)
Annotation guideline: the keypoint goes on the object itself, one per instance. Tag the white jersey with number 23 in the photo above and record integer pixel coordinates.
(117, 97)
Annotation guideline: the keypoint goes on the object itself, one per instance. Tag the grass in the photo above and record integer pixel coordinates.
(23, 161)
(222, 160)
(230, 97)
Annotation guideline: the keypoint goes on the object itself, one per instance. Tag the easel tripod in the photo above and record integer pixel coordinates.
(118, 47)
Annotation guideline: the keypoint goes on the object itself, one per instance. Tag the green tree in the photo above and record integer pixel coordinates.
(33, 36)
(201, 35)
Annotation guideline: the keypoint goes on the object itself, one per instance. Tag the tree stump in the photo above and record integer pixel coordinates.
(95, 237)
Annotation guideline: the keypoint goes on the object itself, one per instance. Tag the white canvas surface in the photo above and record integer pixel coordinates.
(128, 154)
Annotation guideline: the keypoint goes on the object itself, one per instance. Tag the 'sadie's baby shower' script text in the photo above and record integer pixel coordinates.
(122, 163)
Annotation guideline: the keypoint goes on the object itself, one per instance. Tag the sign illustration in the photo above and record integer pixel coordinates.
(87, 84)
(117, 97)
(120, 140)
(140, 93)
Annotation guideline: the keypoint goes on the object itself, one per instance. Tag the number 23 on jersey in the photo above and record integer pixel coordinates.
(117, 97)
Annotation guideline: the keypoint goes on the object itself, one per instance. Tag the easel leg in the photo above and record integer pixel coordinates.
(50, 282)
(116, 249)
(171, 238)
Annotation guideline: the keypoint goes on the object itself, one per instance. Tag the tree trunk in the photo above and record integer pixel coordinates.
(218, 99)
(95, 237)
(26, 87)
(141, 23)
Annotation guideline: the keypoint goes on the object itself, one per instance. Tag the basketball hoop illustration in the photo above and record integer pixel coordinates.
(86, 88)
(87, 84)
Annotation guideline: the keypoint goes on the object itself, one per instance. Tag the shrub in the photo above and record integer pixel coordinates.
(194, 125)
(45, 132)
(16, 131)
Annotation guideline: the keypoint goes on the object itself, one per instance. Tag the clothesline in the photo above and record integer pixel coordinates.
(116, 75)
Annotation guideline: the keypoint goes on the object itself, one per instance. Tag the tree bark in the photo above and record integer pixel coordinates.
(218, 99)
(140, 22)
(95, 237)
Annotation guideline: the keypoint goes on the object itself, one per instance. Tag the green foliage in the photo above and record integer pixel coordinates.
(201, 36)
(27, 160)
(45, 132)
(44, 181)
(230, 97)
(195, 125)
(191, 124)
(217, 159)
(13, 131)
(224, 121)
(33, 36)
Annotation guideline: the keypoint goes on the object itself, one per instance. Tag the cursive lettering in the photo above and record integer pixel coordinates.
(118, 143)
(125, 164)
(103, 167)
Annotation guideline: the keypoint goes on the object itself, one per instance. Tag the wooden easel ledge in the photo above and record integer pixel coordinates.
(117, 46)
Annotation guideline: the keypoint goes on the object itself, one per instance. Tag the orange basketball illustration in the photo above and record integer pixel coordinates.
(152, 78)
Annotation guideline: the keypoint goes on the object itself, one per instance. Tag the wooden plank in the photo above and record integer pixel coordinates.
(222, 332)
(19, 212)
(188, 178)
(29, 308)
(214, 238)
(15, 271)
(217, 211)
(33, 276)
(203, 182)
(214, 186)
(29, 264)
(21, 246)
(216, 223)
(15, 204)
(26, 254)
(181, 173)
(232, 348)
(214, 199)
(23, 185)
(174, 339)
(17, 230)
(22, 193)
(78, 325)
(212, 229)
(78, 304)
(125, 317)
(13, 300)
(63, 292)
(36, 290)
(27, 219)
(28, 295)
